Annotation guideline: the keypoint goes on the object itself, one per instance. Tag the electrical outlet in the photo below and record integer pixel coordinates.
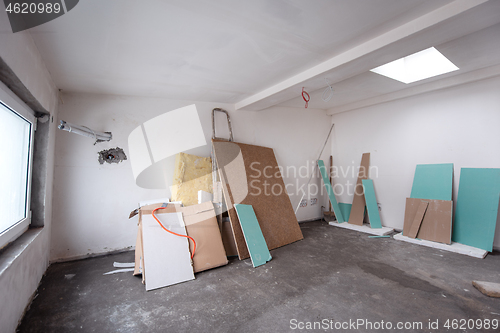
(314, 201)
(303, 203)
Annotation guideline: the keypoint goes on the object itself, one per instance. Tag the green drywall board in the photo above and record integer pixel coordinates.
(477, 207)
(345, 209)
(371, 203)
(256, 243)
(433, 181)
(329, 190)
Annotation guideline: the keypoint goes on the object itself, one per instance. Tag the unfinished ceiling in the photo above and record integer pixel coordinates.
(256, 54)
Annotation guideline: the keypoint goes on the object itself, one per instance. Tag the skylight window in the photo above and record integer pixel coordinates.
(418, 66)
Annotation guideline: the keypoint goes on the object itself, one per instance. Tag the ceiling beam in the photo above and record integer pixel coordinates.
(269, 97)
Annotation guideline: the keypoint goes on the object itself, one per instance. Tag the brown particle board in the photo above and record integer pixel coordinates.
(417, 220)
(436, 223)
(250, 176)
(358, 203)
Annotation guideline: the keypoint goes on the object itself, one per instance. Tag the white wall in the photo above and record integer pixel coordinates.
(458, 125)
(24, 263)
(92, 201)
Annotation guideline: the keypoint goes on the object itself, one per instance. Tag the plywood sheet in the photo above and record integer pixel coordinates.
(433, 181)
(371, 203)
(256, 243)
(358, 203)
(477, 207)
(167, 259)
(250, 175)
(417, 220)
(331, 194)
(436, 223)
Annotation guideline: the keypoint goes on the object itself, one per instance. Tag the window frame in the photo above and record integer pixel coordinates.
(15, 104)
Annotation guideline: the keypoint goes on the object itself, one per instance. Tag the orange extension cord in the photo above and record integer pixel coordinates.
(191, 238)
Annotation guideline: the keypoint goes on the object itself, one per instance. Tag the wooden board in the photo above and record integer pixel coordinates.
(256, 243)
(371, 204)
(417, 220)
(331, 194)
(358, 203)
(488, 288)
(250, 175)
(167, 259)
(436, 223)
(433, 181)
(477, 207)
(453, 247)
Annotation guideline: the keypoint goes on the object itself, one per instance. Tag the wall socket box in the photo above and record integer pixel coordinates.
(303, 203)
(314, 201)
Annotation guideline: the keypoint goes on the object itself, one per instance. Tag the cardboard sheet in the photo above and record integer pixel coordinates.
(436, 223)
(371, 203)
(250, 175)
(476, 215)
(417, 220)
(433, 181)
(256, 243)
(331, 194)
(358, 203)
(201, 224)
(167, 259)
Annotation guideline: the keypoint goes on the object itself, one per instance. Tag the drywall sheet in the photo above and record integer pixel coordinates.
(253, 235)
(167, 259)
(201, 224)
(331, 194)
(345, 209)
(191, 174)
(358, 203)
(436, 223)
(477, 207)
(250, 175)
(433, 181)
(371, 203)
(417, 220)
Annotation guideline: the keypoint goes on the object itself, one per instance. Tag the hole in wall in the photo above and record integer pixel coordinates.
(113, 155)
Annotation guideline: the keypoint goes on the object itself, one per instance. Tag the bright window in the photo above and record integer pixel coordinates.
(418, 66)
(16, 136)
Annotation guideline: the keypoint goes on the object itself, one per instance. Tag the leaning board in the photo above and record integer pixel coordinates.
(433, 181)
(477, 207)
(250, 175)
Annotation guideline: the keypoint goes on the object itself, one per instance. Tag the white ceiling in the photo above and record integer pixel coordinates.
(256, 54)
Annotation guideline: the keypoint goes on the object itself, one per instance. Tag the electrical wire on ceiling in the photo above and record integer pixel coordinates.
(305, 97)
(328, 92)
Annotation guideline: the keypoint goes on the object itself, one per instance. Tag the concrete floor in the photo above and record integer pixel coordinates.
(333, 276)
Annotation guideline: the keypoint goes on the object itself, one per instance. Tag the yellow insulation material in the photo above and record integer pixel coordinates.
(192, 173)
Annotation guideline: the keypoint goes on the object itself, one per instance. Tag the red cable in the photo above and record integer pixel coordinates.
(304, 97)
(191, 238)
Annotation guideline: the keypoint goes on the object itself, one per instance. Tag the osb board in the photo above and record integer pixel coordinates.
(358, 203)
(250, 176)
(191, 174)
(436, 223)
